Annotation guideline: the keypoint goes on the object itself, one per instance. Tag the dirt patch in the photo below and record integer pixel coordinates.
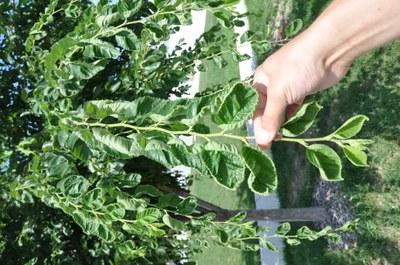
(329, 195)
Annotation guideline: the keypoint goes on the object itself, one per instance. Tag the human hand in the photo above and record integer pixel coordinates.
(319, 57)
(284, 80)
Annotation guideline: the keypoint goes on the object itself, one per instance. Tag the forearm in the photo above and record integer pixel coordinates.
(350, 28)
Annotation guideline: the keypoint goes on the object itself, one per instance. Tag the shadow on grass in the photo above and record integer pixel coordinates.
(372, 87)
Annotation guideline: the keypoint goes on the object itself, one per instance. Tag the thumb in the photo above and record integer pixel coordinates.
(272, 118)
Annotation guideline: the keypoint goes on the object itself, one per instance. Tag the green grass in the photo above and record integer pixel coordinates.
(209, 190)
(372, 87)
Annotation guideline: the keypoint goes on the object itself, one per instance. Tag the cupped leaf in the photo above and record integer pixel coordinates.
(106, 233)
(173, 223)
(187, 206)
(128, 8)
(73, 186)
(116, 146)
(356, 156)
(293, 241)
(72, 142)
(127, 39)
(150, 215)
(223, 236)
(100, 109)
(92, 225)
(263, 176)
(283, 229)
(94, 199)
(123, 10)
(88, 223)
(169, 200)
(326, 160)
(115, 211)
(142, 228)
(351, 127)
(57, 166)
(227, 168)
(100, 49)
(130, 203)
(237, 106)
(238, 218)
(302, 120)
(58, 51)
(84, 71)
(306, 233)
(293, 28)
(224, 17)
(128, 180)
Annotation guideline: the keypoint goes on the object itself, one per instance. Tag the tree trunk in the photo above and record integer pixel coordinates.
(311, 214)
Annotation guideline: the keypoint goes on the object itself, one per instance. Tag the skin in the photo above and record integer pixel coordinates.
(319, 57)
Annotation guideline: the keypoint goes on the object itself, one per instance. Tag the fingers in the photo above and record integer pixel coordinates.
(270, 112)
(272, 119)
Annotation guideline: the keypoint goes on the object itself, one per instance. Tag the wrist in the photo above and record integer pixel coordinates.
(327, 50)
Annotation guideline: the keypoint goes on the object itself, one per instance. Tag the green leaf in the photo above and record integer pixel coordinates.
(268, 245)
(237, 106)
(107, 18)
(73, 186)
(227, 168)
(293, 242)
(100, 109)
(351, 127)
(115, 211)
(173, 223)
(88, 223)
(73, 10)
(72, 142)
(187, 206)
(356, 156)
(117, 146)
(130, 203)
(238, 218)
(168, 200)
(92, 225)
(223, 236)
(293, 28)
(128, 8)
(106, 233)
(263, 176)
(94, 199)
(283, 229)
(84, 71)
(143, 229)
(100, 49)
(326, 160)
(58, 166)
(224, 17)
(306, 233)
(58, 51)
(302, 120)
(127, 39)
(150, 215)
(127, 248)
(128, 180)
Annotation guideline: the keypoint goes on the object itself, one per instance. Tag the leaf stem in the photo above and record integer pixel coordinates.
(172, 133)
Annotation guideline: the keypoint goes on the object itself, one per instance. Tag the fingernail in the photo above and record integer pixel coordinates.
(265, 137)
